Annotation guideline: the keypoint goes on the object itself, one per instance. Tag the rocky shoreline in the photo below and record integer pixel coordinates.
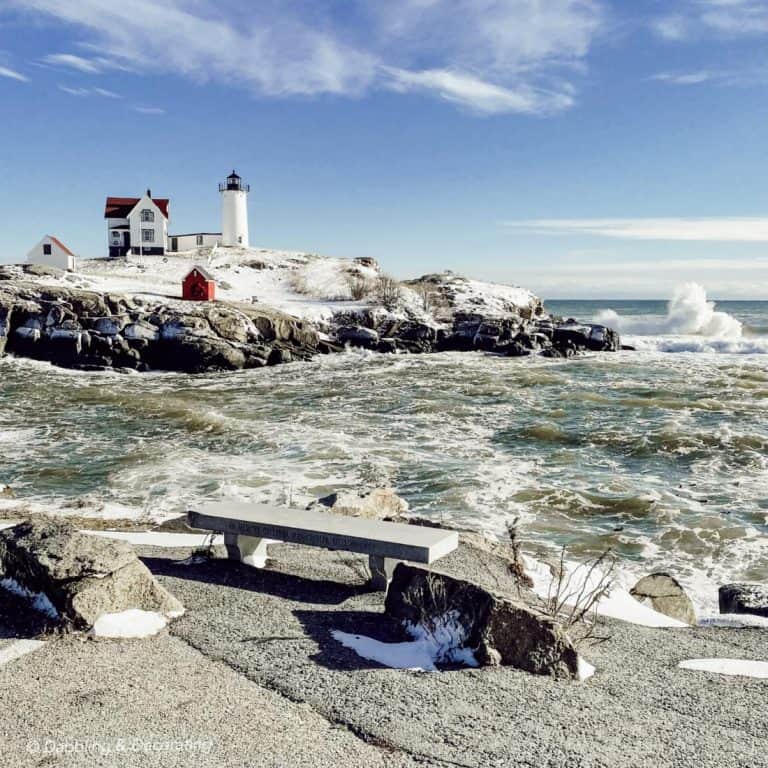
(91, 330)
(262, 645)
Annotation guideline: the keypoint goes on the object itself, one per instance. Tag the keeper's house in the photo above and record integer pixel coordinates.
(137, 225)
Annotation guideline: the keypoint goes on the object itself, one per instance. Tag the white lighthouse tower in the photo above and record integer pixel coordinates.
(234, 211)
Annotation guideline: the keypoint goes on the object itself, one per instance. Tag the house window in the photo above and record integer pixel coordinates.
(240, 239)
(199, 239)
(147, 215)
(46, 249)
(147, 235)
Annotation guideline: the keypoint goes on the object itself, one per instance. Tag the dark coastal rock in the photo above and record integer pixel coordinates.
(82, 576)
(82, 329)
(5, 323)
(498, 630)
(572, 335)
(357, 336)
(744, 598)
(665, 595)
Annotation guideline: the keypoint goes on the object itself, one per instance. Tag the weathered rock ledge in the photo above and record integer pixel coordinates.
(76, 328)
(83, 329)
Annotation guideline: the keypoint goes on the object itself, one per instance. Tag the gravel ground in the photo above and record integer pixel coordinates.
(80, 702)
(253, 667)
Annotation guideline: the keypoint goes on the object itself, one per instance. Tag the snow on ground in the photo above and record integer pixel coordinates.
(443, 644)
(493, 299)
(738, 667)
(301, 284)
(619, 604)
(18, 649)
(133, 623)
(158, 538)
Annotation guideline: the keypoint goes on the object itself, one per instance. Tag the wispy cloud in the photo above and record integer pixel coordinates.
(12, 74)
(724, 229)
(702, 18)
(675, 27)
(686, 78)
(74, 91)
(77, 91)
(488, 56)
(480, 96)
(149, 110)
(71, 61)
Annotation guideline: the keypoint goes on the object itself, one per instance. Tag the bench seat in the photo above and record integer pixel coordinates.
(249, 528)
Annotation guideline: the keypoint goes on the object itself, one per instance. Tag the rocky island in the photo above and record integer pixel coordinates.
(274, 307)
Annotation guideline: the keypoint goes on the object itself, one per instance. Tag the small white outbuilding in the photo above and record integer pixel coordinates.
(53, 253)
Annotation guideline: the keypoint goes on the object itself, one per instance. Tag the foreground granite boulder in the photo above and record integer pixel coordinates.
(83, 576)
(744, 598)
(665, 595)
(498, 630)
(377, 504)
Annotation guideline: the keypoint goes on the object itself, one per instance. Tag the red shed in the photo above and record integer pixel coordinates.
(199, 285)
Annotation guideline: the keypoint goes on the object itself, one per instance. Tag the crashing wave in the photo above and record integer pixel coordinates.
(688, 314)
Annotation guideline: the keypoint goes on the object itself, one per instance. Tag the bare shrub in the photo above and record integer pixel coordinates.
(430, 602)
(516, 567)
(427, 295)
(355, 564)
(573, 597)
(359, 286)
(389, 292)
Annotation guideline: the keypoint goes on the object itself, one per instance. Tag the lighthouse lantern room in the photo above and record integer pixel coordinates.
(234, 211)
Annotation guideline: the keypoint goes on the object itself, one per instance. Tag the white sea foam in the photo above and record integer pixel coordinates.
(688, 313)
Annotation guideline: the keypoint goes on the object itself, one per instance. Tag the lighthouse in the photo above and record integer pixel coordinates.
(234, 211)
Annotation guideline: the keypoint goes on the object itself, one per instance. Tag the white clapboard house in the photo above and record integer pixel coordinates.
(137, 225)
(51, 252)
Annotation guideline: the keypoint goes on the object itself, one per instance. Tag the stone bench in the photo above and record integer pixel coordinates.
(249, 528)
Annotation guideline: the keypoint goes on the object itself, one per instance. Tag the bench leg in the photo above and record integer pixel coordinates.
(382, 569)
(247, 549)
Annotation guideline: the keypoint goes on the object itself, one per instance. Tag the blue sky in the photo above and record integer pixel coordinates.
(583, 148)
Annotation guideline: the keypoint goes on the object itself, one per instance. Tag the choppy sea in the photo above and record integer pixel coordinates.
(659, 453)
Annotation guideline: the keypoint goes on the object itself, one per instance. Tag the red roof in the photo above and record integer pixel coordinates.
(120, 207)
(56, 241)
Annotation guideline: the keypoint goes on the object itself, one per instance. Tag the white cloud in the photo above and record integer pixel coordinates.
(107, 94)
(687, 229)
(12, 74)
(71, 61)
(485, 55)
(704, 18)
(149, 110)
(688, 78)
(479, 96)
(74, 91)
(671, 27)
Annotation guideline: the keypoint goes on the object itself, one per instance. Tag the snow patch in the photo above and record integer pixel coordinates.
(619, 604)
(18, 649)
(737, 667)
(429, 647)
(133, 623)
(158, 538)
(585, 669)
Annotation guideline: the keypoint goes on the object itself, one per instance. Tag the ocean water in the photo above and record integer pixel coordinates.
(660, 454)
